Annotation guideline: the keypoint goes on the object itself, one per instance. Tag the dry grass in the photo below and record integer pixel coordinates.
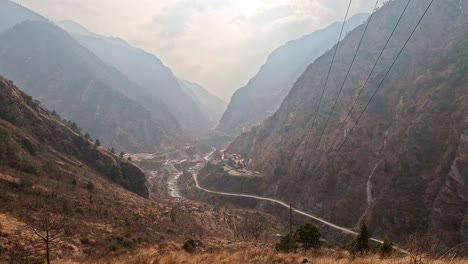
(256, 256)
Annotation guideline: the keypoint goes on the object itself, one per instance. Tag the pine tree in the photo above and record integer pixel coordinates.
(98, 143)
(309, 236)
(363, 238)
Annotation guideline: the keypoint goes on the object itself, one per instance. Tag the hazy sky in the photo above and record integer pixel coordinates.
(219, 44)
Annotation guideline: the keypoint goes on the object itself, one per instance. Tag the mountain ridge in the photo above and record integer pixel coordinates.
(264, 93)
(69, 71)
(148, 71)
(401, 168)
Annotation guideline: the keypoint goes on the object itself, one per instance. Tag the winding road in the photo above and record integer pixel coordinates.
(342, 229)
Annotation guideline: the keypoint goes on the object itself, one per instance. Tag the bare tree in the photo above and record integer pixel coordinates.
(255, 225)
(48, 231)
(422, 245)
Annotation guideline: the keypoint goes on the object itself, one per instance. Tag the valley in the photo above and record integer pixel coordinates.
(349, 144)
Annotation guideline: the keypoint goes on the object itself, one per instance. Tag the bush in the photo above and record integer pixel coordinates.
(85, 241)
(30, 147)
(11, 113)
(128, 243)
(30, 170)
(189, 246)
(386, 249)
(283, 245)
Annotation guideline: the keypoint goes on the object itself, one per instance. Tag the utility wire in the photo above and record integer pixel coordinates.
(346, 76)
(380, 84)
(343, 124)
(325, 85)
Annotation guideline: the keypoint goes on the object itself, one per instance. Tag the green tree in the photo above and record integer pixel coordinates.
(11, 113)
(129, 159)
(309, 236)
(362, 240)
(386, 249)
(91, 188)
(75, 128)
(122, 154)
(283, 245)
(189, 246)
(112, 150)
(87, 136)
(98, 143)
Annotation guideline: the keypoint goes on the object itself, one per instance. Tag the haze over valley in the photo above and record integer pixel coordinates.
(234, 131)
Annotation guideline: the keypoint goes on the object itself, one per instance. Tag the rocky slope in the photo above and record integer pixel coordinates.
(46, 170)
(261, 97)
(149, 72)
(404, 168)
(66, 77)
(36, 142)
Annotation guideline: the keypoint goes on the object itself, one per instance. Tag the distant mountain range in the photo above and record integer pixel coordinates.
(55, 69)
(120, 94)
(262, 96)
(195, 116)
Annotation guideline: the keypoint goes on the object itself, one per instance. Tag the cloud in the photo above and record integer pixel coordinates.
(220, 44)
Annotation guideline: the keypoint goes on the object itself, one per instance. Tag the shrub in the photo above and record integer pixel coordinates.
(189, 246)
(11, 113)
(128, 243)
(283, 245)
(30, 170)
(85, 241)
(29, 146)
(386, 249)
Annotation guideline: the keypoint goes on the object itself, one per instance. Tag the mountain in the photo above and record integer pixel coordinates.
(211, 105)
(94, 203)
(66, 77)
(12, 13)
(36, 142)
(404, 168)
(262, 96)
(149, 72)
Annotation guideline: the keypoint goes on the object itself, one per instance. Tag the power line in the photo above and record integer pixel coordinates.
(346, 76)
(326, 82)
(343, 124)
(381, 83)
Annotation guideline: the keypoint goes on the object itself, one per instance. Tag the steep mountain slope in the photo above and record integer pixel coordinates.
(211, 105)
(262, 96)
(147, 71)
(404, 168)
(35, 142)
(12, 13)
(52, 176)
(66, 77)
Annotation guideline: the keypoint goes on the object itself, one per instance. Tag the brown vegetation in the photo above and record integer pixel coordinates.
(256, 256)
